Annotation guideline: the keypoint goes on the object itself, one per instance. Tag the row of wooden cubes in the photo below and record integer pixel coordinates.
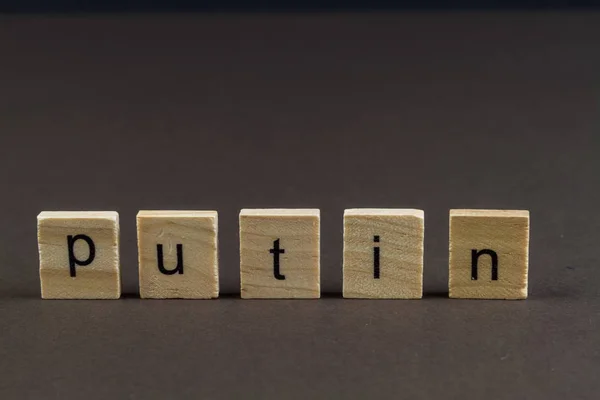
(280, 254)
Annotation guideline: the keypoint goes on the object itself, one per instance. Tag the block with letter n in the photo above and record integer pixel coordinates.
(489, 254)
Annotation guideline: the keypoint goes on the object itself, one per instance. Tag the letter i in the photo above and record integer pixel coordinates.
(376, 258)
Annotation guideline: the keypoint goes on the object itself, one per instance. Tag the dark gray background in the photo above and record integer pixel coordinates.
(432, 111)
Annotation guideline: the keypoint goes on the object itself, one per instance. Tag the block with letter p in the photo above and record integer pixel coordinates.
(489, 254)
(79, 254)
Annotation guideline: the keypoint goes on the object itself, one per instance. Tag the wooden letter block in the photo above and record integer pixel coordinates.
(279, 253)
(383, 253)
(177, 253)
(79, 254)
(489, 254)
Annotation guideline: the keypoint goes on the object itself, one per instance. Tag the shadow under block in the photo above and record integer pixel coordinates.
(383, 253)
(279, 253)
(489, 254)
(79, 254)
(177, 254)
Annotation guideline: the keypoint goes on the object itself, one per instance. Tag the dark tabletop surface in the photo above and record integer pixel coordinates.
(432, 111)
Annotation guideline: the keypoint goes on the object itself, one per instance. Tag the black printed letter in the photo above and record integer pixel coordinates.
(276, 251)
(74, 261)
(475, 258)
(161, 265)
(376, 258)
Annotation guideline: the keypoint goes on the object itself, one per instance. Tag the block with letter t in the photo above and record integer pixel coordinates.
(489, 254)
(279, 253)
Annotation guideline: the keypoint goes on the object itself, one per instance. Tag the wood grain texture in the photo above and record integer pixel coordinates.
(503, 232)
(298, 234)
(197, 234)
(98, 280)
(399, 235)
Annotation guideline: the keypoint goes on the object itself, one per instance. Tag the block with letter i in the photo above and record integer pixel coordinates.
(489, 254)
(79, 254)
(178, 254)
(383, 253)
(279, 253)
